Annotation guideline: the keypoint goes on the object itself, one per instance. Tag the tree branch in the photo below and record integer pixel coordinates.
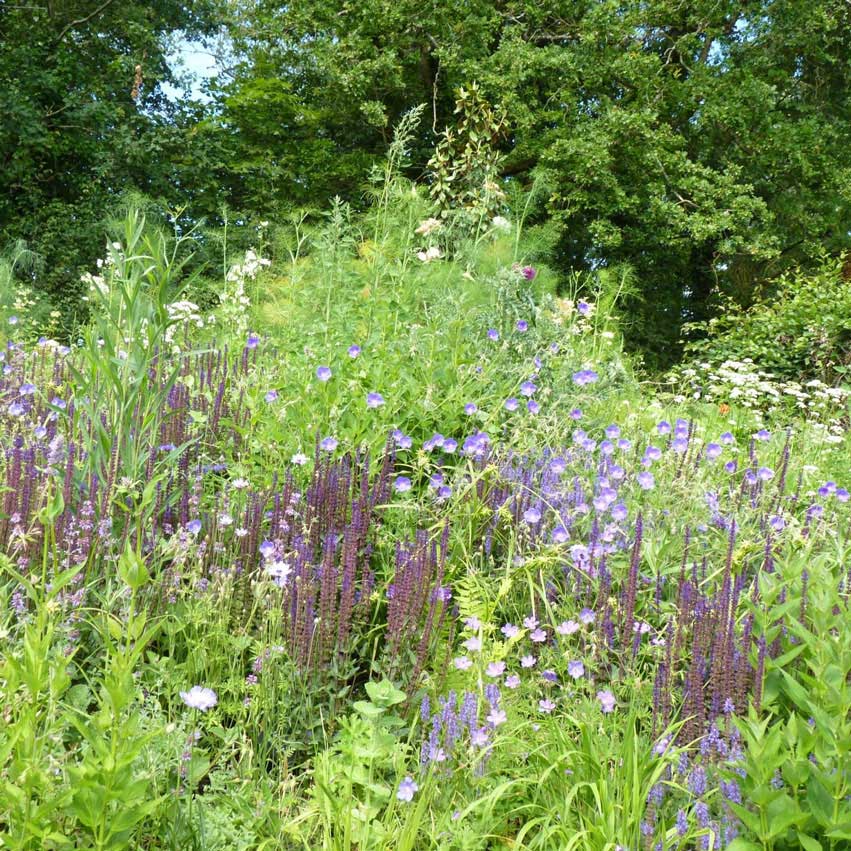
(80, 21)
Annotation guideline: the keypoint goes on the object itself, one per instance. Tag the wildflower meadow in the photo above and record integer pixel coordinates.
(374, 537)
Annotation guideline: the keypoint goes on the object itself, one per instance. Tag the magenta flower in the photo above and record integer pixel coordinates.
(529, 273)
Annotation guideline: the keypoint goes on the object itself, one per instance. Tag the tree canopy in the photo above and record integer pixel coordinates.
(701, 143)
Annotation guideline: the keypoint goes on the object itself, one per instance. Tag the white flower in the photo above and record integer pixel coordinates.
(279, 571)
(501, 223)
(199, 697)
(432, 253)
(427, 226)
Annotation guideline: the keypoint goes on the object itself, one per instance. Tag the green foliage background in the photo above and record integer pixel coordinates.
(700, 144)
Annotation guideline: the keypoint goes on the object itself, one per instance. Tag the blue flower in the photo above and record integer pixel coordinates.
(374, 400)
(323, 373)
(407, 789)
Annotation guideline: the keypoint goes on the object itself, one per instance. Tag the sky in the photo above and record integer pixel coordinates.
(191, 58)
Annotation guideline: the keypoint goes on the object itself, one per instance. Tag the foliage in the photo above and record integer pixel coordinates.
(386, 548)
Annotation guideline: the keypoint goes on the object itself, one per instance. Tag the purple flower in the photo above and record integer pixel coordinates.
(323, 373)
(509, 630)
(401, 439)
(522, 326)
(529, 273)
(16, 409)
(645, 480)
(560, 535)
(271, 395)
(512, 681)
(528, 661)
(607, 701)
(329, 444)
(584, 376)
(402, 484)
(583, 308)
(546, 705)
(493, 334)
(532, 516)
(496, 717)
(199, 698)
(726, 439)
(576, 669)
(470, 408)
(533, 407)
(407, 790)
(527, 388)
(253, 341)
(474, 644)
(28, 389)
(462, 663)
(374, 400)
(777, 523)
(765, 474)
(664, 427)
(567, 628)
(193, 526)
(495, 669)
(713, 451)
(576, 414)
(511, 404)
(530, 622)
(763, 434)
(354, 351)
(450, 445)
(587, 616)
(538, 636)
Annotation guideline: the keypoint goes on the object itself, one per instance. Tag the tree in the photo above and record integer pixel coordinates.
(701, 143)
(82, 119)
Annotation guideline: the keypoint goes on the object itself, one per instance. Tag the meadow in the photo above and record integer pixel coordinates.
(391, 546)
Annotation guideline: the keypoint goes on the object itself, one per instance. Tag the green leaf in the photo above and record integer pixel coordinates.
(808, 843)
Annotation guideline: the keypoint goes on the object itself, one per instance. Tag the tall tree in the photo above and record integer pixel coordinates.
(703, 143)
(83, 117)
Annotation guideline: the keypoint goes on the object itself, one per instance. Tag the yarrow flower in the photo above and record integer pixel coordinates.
(199, 698)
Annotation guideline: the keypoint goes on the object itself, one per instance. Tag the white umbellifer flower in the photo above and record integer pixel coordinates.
(199, 697)
(427, 226)
(431, 253)
(501, 223)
